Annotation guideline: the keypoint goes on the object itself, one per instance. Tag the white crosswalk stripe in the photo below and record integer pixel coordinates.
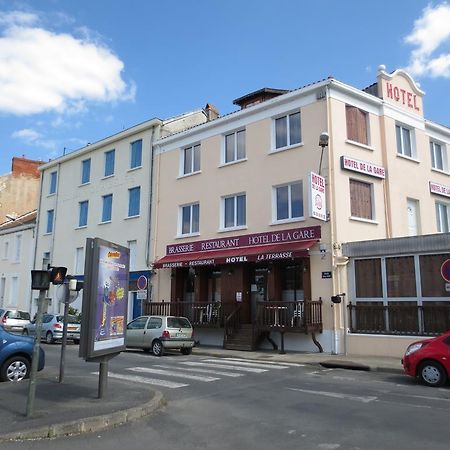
(138, 379)
(274, 363)
(240, 362)
(171, 373)
(212, 372)
(224, 366)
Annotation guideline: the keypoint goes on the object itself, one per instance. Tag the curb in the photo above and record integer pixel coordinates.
(88, 424)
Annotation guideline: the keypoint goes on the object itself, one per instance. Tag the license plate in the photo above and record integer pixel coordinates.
(181, 335)
(72, 328)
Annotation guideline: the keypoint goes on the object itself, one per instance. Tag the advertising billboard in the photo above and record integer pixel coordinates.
(105, 299)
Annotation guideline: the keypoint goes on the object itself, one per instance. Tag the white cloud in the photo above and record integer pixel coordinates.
(41, 70)
(431, 31)
(33, 137)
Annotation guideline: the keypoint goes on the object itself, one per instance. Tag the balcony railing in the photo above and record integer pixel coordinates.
(414, 320)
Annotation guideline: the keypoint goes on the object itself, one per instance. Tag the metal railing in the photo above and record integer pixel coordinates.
(414, 320)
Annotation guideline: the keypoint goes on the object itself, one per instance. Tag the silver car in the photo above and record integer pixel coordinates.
(52, 328)
(160, 333)
(14, 320)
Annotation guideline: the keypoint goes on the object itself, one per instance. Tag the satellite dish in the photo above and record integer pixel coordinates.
(63, 294)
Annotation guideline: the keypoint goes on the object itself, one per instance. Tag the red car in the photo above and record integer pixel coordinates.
(429, 360)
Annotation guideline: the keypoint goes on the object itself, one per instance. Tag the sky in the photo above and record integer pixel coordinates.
(75, 72)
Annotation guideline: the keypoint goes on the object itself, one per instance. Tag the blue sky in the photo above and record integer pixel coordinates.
(73, 72)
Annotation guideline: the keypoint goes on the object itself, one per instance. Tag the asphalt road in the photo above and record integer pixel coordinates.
(214, 403)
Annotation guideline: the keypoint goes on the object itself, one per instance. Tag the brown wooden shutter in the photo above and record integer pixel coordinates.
(360, 199)
(356, 124)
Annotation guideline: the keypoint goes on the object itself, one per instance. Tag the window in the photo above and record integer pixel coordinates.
(191, 159)
(430, 269)
(18, 248)
(289, 201)
(109, 162)
(137, 324)
(438, 156)
(14, 291)
(234, 146)
(368, 278)
(288, 130)
(361, 199)
(5, 249)
(356, 124)
(50, 218)
(53, 179)
(132, 245)
(83, 216)
(190, 218)
(443, 217)
(79, 261)
(400, 275)
(234, 214)
(85, 171)
(136, 154)
(404, 141)
(134, 198)
(107, 208)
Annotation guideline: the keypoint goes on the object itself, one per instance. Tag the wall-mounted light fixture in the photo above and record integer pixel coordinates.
(323, 142)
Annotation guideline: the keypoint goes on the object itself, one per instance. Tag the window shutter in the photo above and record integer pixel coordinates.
(360, 199)
(356, 125)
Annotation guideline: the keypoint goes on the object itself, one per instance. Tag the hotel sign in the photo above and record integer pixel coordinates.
(363, 167)
(439, 189)
(317, 198)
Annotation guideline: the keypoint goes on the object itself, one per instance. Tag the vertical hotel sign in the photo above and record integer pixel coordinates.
(106, 299)
(317, 198)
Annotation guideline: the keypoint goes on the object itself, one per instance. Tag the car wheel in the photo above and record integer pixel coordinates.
(16, 368)
(25, 333)
(186, 350)
(49, 337)
(157, 348)
(432, 374)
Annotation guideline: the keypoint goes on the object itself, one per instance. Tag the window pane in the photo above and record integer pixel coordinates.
(240, 210)
(401, 278)
(229, 148)
(52, 188)
(240, 144)
(50, 215)
(296, 200)
(136, 154)
(368, 278)
(196, 158)
(229, 212)
(85, 171)
(294, 129)
(187, 160)
(438, 153)
(195, 218)
(107, 208)
(281, 132)
(282, 203)
(399, 139)
(134, 201)
(406, 142)
(442, 218)
(186, 220)
(433, 285)
(109, 162)
(82, 220)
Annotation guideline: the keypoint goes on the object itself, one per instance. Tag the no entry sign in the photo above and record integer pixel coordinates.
(445, 270)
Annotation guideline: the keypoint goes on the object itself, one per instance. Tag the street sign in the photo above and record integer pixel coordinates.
(142, 283)
(141, 295)
(445, 270)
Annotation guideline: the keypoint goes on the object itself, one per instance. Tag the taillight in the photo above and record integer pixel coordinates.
(4, 319)
(166, 334)
(57, 326)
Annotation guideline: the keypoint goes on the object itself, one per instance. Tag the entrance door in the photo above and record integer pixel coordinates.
(258, 288)
(413, 222)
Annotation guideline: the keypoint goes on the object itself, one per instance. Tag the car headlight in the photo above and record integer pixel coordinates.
(413, 348)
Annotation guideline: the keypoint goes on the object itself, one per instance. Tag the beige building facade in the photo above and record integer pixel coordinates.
(252, 214)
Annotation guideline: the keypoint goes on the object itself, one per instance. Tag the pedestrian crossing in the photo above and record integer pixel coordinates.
(183, 372)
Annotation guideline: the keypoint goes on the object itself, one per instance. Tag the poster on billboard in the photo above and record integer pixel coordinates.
(105, 299)
(317, 199)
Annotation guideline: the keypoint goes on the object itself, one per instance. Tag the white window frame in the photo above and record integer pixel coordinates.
(274, 131)
(443, 223)
(17, 247)
(443, 151)
(132, 245)
(289, 185)
(412, 137)
(180, 220)
(372, 202)
(222, 212)
(192, 147)
(224, 147)
(53, 176)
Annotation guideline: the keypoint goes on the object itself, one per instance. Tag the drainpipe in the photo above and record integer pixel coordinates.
(338, 265)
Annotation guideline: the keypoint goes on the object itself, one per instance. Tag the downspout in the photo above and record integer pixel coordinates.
(339, 265)
(54, 228)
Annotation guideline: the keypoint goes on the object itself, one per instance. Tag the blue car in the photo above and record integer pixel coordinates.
(15, 356)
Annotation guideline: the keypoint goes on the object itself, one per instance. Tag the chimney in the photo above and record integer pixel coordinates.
(211, 112)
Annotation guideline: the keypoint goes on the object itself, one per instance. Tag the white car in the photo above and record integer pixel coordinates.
(52, 328)
(159, 333)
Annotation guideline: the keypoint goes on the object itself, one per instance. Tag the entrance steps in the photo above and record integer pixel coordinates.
(240, 339)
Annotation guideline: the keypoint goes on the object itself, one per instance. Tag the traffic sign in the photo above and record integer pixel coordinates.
(142, 283)
(445, 270)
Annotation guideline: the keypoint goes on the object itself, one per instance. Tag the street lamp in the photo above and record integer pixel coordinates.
(323, 142)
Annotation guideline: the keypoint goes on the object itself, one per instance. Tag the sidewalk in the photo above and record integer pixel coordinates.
(73, 407)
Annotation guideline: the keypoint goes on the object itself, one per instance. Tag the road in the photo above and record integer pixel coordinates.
(216, 403)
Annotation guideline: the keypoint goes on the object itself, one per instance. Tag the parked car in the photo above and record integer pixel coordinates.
(52, 328)
(14, 320)
(16, 353)
(429, 360)
(160, 333)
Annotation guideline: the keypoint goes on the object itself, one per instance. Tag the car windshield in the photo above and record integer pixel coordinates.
(178, 322)
(70, 319)
(18, 315)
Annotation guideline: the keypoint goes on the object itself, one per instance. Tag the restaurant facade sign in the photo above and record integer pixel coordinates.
(364, 167)
(317, 197)
(439, 189)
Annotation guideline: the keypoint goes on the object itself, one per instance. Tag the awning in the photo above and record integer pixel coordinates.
(260, 253)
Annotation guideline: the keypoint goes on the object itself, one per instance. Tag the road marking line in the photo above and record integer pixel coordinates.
(170, 373)
(152, 381)
(338, 395)
(266, 362)
(224, 366)
(246, 364)
(425, 397)
(213, 372)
